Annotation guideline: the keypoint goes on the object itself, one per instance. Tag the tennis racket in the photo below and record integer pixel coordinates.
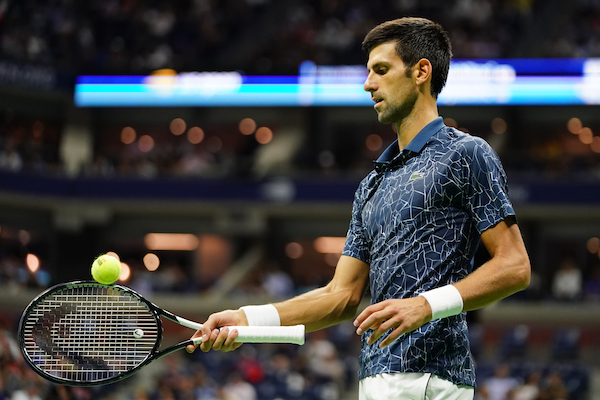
(87, 333)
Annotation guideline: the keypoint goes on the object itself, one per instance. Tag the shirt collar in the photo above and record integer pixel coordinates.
(387, 158)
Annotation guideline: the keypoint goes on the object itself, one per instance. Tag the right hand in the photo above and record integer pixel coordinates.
(215, 332)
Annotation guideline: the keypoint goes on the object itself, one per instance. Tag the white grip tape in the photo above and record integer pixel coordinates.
(270, 334)
(267, 334)
(444, 301)
(263, 315)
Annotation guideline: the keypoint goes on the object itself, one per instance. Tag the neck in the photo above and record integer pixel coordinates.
(412, 124)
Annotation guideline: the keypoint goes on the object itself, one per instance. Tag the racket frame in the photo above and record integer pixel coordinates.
(246, 334)
(153, 354)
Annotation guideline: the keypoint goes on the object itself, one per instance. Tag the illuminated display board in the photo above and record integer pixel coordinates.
(470, 82)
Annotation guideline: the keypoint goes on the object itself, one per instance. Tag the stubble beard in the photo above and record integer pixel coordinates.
(396, 113)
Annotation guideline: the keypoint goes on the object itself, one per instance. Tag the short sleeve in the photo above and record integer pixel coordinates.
(486, 188)
(357, 245)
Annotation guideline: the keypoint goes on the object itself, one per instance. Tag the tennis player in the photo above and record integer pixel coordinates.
(417, 220)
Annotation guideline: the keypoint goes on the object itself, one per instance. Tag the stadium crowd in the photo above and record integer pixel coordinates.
(269, 37)
(264, 37)
(34, 145)
(255, 36)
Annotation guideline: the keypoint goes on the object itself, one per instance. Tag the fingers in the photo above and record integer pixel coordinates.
(398, 315)
(370, 318)
(206, 333)
(218, 339)
(380, 323)
(395, 334)
(209, 336)
(222, 339)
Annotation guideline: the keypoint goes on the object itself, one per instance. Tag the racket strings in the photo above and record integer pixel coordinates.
(86, 333)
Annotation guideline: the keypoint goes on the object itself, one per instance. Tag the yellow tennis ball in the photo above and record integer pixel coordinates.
(106, 269)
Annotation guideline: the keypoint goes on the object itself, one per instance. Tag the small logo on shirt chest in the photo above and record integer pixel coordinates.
(415, 176)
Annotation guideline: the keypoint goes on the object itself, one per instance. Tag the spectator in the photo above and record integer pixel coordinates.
(277, 283)
(249, 366)
(10, 159)
(282, 379)
(567, 282)
(554, 388)
(323, 360)
(500, 384)
(530, 389)
(205, 388)
(186, 387)
(237, 388)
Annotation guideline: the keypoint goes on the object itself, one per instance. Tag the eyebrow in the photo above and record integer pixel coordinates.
(376, 65)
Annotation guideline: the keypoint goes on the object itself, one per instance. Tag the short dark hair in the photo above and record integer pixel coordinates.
(416, 38)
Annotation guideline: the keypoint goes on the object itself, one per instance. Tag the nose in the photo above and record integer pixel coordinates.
(369, 85)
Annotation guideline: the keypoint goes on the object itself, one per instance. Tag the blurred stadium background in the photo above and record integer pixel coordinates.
(227, 202)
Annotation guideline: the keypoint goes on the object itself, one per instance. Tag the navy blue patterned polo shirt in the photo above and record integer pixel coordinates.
(416, 220)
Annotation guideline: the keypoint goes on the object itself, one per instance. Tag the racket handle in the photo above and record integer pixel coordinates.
(267, 334)
(270, 334)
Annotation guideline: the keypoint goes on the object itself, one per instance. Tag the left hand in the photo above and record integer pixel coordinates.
(401, 315)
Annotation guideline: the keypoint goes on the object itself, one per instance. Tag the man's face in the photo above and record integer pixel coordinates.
(393, 91)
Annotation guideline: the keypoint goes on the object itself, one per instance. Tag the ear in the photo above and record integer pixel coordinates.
(422, 71)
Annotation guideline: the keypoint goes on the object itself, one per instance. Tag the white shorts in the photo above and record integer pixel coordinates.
(411, 386)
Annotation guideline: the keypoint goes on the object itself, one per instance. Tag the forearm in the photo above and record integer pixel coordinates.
(319, 308)
(493, 281)
(336, 302)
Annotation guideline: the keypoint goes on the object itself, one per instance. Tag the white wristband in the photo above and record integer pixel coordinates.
(444, 301)
(265, 315)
